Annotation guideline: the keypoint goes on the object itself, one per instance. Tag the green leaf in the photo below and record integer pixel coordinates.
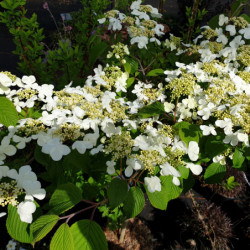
(168, 192)
(96, 51)
(188, 132)
(215, 173)
(155, 72)
(134, 202)
(65, 197)
(153, 109)
(230, 180)
(54, 171)
(8, 113)
(130, 81)
(127, 67)
(215, 146)
(42, 226)
(188, 183)
(88, 235)
(238, 158)
(172, 58)
(246, 152)
(17, 229)
(184, 171)
(214, 22)
(43, 159)
(236, 9)
(93, 165)
(62, 239)
(246, 17)
(117, 192)
(133, 63)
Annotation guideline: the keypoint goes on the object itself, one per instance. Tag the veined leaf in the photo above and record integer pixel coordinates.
(117, 192)
(65, 197)
(88, 235)
(62, 239)
(153, 109)
(42, 226)
(169, 191)
(17, 229)
(215, 173)
(8, 113)
(134, 202)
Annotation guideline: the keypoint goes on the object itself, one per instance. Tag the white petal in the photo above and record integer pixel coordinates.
(128, 171)
(10, 150)
(196, 169)
(12, 173)
(110, 170)
(24, 169)
(2, 214)
(39, 194)
(176, 181)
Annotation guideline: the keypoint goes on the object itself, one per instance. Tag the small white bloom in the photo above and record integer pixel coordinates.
(97, 150)
(196, 169)
(220, 158)
(11, 245)
(114, 24)
(141, 40)
(55, 149)
(6, 148)
(245, 32)
(207, 130)
(21, 141)
(102, 20)
(222, 19)
(128, 171)
(78, 112)
(111, 167)
(232, 139)
(135, 5)
(134, 163)
(25, 210)
(226, 124)
(168, 107)
(243, 137)
(231, 29)
(154, 39)
(153, 184)
(81, 146)
(167, 169)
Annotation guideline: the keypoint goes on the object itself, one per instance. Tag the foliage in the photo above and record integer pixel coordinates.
(139, 125)
(66, 59)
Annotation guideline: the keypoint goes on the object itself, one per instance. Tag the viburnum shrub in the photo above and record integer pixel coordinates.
(125, 132)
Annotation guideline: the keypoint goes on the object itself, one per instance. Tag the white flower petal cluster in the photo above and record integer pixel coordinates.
(5, 83)
(55, 149)
(213, 92)
(167, 169)
(153, 183)
(25, 179)
(138, 24)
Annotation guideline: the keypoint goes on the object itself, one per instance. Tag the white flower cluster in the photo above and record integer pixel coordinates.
(216, 88)
(96, 118)
(138, 24)
(228, 38)
(75, 118)
(26, 180)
